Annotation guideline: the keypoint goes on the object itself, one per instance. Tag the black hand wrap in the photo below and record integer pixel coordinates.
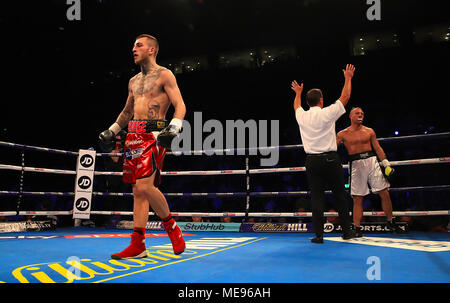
(122, 136)
(167, 135)
(107, 139)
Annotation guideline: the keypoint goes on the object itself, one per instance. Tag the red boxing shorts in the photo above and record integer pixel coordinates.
(142, 157)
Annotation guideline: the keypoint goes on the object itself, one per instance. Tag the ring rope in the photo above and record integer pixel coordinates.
(218, 172)
(223, 195)
(224, 151)
(37, 169)
(36, 148)
(284, 214)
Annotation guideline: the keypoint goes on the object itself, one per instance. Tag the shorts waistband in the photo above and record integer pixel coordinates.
(323, 154)
(146, 126)
(363, 155)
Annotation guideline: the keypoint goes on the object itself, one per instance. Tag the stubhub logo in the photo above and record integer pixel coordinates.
(204, 227)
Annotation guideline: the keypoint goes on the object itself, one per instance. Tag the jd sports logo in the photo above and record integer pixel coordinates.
(328, 227)
(84, 182)
(86, 161)
(82, 204)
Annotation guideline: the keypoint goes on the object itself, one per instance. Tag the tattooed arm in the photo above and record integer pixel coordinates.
(128, 111)
(170, 86)
(174, 94)
(339, 137)
(107, 136)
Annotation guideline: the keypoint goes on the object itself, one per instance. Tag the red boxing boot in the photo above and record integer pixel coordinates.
(135, 250)
(175, 235)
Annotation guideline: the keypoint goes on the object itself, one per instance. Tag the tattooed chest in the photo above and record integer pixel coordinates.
(145, 84)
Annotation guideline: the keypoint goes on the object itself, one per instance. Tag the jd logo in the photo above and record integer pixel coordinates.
(328, 227)
(86, 161)
(82, 204)
(84, 182)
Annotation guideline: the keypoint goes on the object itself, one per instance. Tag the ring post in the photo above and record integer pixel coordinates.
(247, 189)
(83, 184)
(22, 172)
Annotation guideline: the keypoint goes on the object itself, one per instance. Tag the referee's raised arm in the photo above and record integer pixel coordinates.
(346, 91)
(298, 94)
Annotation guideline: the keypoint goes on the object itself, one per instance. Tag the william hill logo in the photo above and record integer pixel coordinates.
(279, 227)
(91, 271)
(264, 227)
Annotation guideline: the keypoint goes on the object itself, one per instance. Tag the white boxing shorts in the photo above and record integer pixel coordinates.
(365, 170)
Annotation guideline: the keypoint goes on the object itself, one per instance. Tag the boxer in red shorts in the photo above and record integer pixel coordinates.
(150, 94)
(143, 156)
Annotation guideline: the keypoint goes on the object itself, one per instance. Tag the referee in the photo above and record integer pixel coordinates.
(323, 164)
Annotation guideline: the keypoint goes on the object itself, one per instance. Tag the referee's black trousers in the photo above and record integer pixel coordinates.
(321, 170)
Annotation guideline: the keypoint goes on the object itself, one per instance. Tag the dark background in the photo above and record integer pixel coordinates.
(70, 77)
(66, 81)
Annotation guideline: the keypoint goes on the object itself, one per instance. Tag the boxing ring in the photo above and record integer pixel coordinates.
(244, 251)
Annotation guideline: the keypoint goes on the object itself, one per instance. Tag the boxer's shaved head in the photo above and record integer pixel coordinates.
(356, 115)
(151, 40)
(356, 108)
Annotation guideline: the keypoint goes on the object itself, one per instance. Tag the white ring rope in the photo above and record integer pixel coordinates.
(218, 172)
(220, 151)
(211, 195)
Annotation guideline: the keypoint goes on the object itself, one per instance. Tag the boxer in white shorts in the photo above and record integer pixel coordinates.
(365, 170)
(363, 148)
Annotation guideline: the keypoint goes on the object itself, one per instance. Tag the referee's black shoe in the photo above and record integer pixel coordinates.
(358, 231)
(318, 240)
(348, 235)
(393, 227)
